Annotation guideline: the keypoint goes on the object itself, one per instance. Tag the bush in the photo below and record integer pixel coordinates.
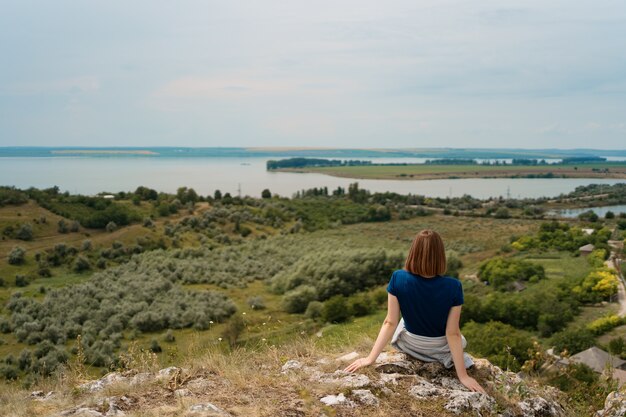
(573, 340)
(111, 227)
(361, 305)
(502, 213)
(501, 343)
(169, 336)
(16, 256)
(588, 216)
(336, 310)
(502, 272)
(86, 245)
(297, 300)
(604, 324)
(21, 281)
(233, 330)
(314, 310)
(25, 232)
(256, 303)
(155, 347)
(62, 226)
(81, 264)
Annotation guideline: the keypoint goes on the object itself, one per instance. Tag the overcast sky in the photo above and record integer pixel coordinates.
(359, 73)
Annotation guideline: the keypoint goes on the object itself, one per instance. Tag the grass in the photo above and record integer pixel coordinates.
(423, 171)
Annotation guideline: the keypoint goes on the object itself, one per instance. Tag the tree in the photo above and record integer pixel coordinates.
(62, 226)
(16, 256)
(588, 216)
(217, 195)
(81, 264)
(502, 213)
(266, 193)
(609, 215)
(111, 227)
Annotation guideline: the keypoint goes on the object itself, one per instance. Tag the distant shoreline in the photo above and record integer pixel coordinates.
(613, 170)
(66, 152)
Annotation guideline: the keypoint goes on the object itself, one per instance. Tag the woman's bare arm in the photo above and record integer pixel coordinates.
(386, 332)
(453, 335)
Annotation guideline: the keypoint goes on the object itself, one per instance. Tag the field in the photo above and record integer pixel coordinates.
(434, 171)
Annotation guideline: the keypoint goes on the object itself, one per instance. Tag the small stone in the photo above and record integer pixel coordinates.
(168, 372)
(183, 392)
(337, 400)
(342, 378)
(390, 379)
(348, 357)
(105, 381)
(207, 409)
(291, 365)
(365, 396)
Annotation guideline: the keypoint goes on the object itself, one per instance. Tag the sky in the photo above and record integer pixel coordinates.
(355, 73)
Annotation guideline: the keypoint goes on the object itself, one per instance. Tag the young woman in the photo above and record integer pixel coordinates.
(430, 304)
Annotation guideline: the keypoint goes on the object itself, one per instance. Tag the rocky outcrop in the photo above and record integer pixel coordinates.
(396, 384)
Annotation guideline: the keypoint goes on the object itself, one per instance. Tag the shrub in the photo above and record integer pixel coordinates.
(588, 216)
(233, 330)
(155, 347)
(297, 300)
(111, 227)
(604, 324)
(361, 305)
(16, 256)
(256, 303)
(62, 226)
(86, 245)
(336, 310)
(314, 310)
(81, 264)
(21, 281)
(74, 226)
(502, 213)
(573, 340)
(501, 272)
(169, 336)
(266, 193)
(25, 232)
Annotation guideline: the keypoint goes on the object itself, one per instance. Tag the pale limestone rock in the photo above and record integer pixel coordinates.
(141, 378)
(349, 357)
(206, 409)
(105, 381)
(291, 365)
(424, 389)
(343, 379)
(337, 400)
(614, 405)
(461, 402)
(168, 372)
(199, 384)
(390, 379)
(539, 407)
(182, 392)
(365, 397)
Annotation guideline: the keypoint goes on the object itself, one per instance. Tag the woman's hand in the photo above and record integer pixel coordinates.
(359, 363)
(471, 384)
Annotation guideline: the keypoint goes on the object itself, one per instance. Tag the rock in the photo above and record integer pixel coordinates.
(451, 383)
(343, 379)
(348, 357)
(168, 372)
(141, 378)
(105, 381)
(81, 412)
(291, 365)
(461, 402)
(390, 379)
(539, 407)
(365, 397)
(206, 409)
(424, 389)
(40, 396)
(337, 400)
(115, 406)
(183, 392)
(199, 384)
(614, 405)
(395, 362)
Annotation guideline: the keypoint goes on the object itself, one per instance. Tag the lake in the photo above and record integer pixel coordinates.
(90, 175)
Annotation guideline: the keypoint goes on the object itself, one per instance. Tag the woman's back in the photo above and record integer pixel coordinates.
(425, 302)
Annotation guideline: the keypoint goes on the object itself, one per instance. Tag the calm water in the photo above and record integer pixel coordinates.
(600, 211)
(90, 175)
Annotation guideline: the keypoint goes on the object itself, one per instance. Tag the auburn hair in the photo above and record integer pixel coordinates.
(427, 256)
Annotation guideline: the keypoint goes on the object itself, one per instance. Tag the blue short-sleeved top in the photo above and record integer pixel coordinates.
(425, 302)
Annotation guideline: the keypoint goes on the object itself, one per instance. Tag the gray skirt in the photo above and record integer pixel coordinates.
(427, 349)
